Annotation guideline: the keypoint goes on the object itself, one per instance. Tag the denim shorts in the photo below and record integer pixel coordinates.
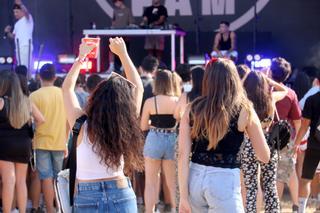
(213, 189)
(49, 163)
(160, 145)
(105, 196)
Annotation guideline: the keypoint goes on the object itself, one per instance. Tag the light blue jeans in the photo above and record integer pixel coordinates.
(213, 189)
(105, 196)
(160, 146)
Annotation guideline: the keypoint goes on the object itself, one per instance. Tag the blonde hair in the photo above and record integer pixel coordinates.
(166, 82)
(222, 99)
(19, 109)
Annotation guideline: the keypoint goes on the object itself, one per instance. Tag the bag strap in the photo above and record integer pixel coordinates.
(72, 160)
(276, 113)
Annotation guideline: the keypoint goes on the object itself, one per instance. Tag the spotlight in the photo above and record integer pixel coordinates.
(249, 57)
(66, 59)
(263, 63)
(197, 60)
(41, 63)
(257, 57)
(2, 60)
(9, 60)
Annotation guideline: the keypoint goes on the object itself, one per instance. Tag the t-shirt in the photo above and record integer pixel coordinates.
(23, 30)
(311, 91)
(302, 102)
(153, 13)
(288, 108)
(52, 134)
(311, 111)
(122, 17)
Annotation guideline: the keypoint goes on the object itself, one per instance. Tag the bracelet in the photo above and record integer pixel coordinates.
(81, 61)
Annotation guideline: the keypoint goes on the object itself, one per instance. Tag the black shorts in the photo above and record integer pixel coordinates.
(310, 163)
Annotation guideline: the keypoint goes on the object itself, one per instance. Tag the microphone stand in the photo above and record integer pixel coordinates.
(196, 22)
(255, 27)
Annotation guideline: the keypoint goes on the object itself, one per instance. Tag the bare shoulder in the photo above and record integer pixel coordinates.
(218, 36)
(148, 102)
(233, 34)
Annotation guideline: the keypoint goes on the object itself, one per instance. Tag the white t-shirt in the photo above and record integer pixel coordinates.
(23, 30)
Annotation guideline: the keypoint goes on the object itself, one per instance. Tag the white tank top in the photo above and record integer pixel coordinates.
(89, 166)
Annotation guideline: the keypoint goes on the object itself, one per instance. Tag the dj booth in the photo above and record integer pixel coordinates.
(141, 32)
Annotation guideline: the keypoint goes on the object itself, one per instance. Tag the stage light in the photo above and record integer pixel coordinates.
(9, 60)
(263, 63)
(257, 57)
(2, 60)
(196, 60)
(41, 63)
(66, 59)
(249, 57)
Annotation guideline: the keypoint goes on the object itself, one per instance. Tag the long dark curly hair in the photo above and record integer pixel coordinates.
(113, 125)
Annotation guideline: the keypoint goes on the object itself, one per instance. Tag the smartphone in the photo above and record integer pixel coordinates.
(92, 41)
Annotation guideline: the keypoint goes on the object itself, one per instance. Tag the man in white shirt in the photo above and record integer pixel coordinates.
(22, 34)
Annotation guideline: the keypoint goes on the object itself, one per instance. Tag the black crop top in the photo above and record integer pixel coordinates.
(163, 121)
(226, 154)
(7, 132)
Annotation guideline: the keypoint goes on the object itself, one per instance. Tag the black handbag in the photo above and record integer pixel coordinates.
(279, 134)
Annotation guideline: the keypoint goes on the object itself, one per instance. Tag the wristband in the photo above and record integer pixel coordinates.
(81, 61)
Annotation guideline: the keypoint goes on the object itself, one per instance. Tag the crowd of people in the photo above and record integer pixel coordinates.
(195, 139)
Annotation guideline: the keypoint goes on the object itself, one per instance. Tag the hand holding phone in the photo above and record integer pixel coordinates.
(89, 47)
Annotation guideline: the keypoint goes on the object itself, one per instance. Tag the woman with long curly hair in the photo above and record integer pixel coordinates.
(257, 86)
(110, 139)
(212, 131)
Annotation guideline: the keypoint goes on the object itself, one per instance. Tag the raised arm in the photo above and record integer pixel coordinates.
(280, 91)
(184, 150)
(8, 32)
(118, 47)
(71, 102)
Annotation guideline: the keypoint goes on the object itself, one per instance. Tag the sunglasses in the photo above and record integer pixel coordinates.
(116, 75)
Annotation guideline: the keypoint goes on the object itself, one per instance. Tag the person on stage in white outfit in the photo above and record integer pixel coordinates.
(22, 34)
